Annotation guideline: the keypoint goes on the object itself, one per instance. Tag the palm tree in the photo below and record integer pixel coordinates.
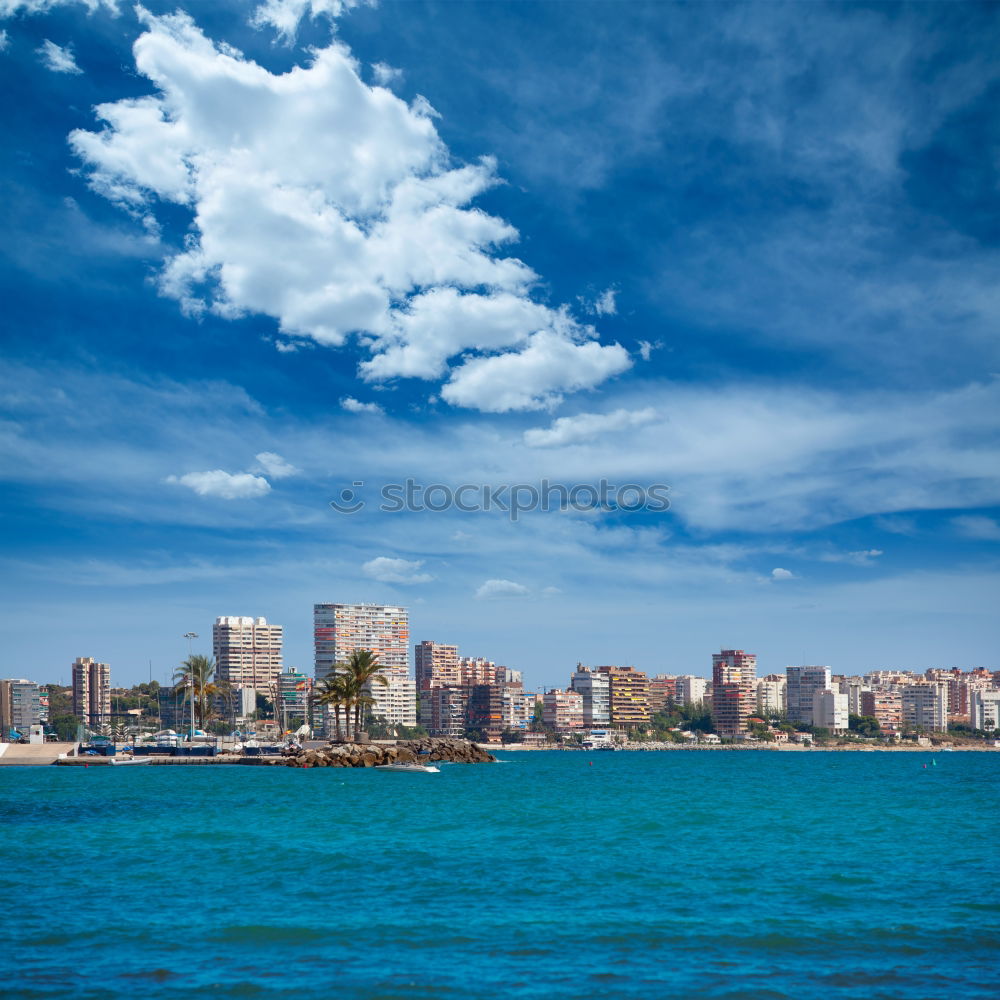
(334, 690)
(197, 671)
(362, 672)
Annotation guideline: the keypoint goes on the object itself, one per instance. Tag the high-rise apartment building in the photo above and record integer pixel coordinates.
(692, 689)
(829, 710)
(984, 709)
(803, 683)
(628, 695)
(477, 670)
(91, 690)
(771, 692)
(884, 704)
(443, 709)
(518, 707)
(595, 688)
(293, 690)
(20, 705)
(662, 692)
(341, 629)
(563, 710)
(925, 706)
(247, 652)
(484, 709)
(734, 690)
(436, 665)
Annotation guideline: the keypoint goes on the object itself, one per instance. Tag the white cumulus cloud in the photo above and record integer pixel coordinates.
(353, 405)
(8, 8)
(335, 208)
(535, 378)
(274, 465)
(387, 570)
(586, 427)
(492, 589)
(227, 485)
(782, 574)
(57, 58)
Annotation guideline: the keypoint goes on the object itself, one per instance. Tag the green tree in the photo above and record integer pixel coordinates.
(863, 725)
(65, 727)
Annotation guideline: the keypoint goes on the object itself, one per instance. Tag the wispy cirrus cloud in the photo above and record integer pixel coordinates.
(389, 570)
(285, 16)
(273, 465)
(57, 58)
(986, 529)
(586, 427)
(497, 589)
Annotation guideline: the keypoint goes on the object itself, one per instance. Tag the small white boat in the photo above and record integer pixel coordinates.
(86, 760)
(423, 768)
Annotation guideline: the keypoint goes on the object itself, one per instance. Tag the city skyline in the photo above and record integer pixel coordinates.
(262, 258)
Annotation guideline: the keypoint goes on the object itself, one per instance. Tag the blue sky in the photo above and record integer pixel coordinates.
(257, 252)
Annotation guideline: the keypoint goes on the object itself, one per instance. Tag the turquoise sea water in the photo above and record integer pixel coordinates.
(683, 874)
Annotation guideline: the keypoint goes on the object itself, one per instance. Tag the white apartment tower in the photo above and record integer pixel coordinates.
(341, 629)
(595, 689)
(984, 710)
(829, 710)
(247, 652)
(803, 683)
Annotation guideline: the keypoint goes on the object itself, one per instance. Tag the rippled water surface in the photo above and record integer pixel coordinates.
(688, 874)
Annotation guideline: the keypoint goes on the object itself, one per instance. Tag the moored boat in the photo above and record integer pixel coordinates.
(423, 768)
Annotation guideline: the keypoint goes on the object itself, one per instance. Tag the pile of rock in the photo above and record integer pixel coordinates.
(404, 752)
(447, 748)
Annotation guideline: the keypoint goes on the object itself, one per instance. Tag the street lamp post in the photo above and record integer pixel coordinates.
(189, 636)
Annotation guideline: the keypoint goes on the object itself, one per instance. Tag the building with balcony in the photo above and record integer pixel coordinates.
(802, 684)
(436, 665)
(771, 692)
(884, 704)
(248, 652)
(628, 696)
(692, 690)
(984, 709)
(383, 629)
(563, 710)
(734, 691)
(443, 709)
(91, 690)
(20, 705)
(595, 689)
(829, 710)
(925, 706)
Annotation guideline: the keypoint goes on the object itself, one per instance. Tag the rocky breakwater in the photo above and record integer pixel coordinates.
(404, 752)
